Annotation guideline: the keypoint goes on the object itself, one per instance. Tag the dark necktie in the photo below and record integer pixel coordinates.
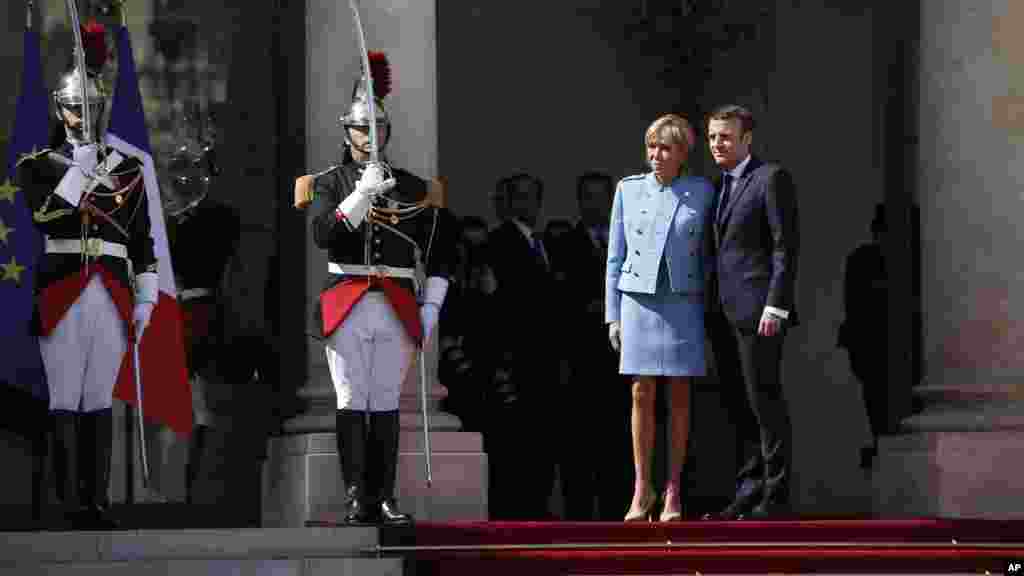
(723, 200)
(538, 251)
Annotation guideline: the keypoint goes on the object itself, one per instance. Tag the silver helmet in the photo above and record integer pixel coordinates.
(358, 115)
(68, 97)
(186, 161)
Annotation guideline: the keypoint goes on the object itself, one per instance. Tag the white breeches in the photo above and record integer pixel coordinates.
(369, 355)
(84, 352)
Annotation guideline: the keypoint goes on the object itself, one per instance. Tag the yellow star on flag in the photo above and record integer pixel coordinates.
(4, 231)
(8, 190)
(12, 271)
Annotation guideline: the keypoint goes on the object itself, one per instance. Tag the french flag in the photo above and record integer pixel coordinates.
(166, 395)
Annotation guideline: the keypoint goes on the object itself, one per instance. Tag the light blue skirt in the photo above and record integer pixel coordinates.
(662, 334)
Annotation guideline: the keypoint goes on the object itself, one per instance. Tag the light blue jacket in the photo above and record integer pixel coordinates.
(650, 222)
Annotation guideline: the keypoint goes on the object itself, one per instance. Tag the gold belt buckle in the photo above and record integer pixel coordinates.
(93, 247)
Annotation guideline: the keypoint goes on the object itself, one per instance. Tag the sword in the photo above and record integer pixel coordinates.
(139, 420)
(76, 27)
(371, 101)
(423, 409)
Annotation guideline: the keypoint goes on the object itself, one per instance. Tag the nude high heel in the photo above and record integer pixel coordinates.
(671, 495)
(646, 508)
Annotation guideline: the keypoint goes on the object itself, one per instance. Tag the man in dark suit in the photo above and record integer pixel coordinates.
(594, 452)
(518, 435)
(757, 245)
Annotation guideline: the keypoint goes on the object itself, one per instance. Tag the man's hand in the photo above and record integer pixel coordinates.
(770, 325)
(615, 335)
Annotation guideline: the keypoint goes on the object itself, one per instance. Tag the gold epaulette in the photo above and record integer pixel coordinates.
(437, 192)
(33, 155)
(303, 191)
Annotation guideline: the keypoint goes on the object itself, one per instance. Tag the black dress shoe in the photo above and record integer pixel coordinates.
(771, 510)
(94, 517)
(391, 515)
(355, 511)
(747, 496)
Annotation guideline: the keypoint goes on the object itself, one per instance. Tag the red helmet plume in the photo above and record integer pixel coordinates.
(94, 41)
(380, 71)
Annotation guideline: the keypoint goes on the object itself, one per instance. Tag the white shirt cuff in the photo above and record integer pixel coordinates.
(777, 312)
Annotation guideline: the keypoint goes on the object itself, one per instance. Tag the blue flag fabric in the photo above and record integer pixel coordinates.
(21, 244)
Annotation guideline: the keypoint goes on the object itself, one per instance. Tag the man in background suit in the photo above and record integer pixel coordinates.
(757, 245)
(521, 466)
(594, 453)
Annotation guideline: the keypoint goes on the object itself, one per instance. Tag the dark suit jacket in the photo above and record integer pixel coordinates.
(757, 242)
(522, 310)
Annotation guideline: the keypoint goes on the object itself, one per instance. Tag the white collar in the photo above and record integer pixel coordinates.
(526, 230)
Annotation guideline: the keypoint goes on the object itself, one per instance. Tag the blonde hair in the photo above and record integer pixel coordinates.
(675, 127)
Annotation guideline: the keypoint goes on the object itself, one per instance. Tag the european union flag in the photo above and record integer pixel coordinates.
(21, 365)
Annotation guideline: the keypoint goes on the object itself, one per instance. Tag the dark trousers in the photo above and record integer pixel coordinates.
(593, 449)
(749, 372)
(521, 471)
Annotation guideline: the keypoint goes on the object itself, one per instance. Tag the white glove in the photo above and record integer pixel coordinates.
(615, 335)
(86, 157)
(372, 181)
(147, 288)
(428, 317)
(141, 314)
(355, 206)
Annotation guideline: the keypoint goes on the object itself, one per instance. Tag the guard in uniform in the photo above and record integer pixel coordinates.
(390, 253)
(96, 286)
(203, 235)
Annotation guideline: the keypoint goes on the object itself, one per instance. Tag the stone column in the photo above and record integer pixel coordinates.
(962, 455)
(303, 475)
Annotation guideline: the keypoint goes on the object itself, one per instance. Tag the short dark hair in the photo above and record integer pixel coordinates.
(592, 176)
(515, 179)
(733, 111)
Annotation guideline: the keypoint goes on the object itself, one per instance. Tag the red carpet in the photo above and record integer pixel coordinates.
(932, 546)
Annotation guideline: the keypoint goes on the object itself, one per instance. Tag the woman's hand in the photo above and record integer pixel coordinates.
(614, 335)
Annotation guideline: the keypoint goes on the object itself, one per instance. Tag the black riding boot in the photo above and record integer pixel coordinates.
(351, 433)
(65, 465)
(96, 430)
(384, 429)
(196, 445)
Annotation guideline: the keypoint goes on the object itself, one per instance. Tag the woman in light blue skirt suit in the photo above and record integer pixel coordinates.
(658, 253)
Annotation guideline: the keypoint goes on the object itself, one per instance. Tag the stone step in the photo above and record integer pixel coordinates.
(239, 567)
(143, 546)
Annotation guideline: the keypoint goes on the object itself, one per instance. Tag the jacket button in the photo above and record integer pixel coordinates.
(376, 240)
(691, 231)
(376, 255)
(637, 252)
